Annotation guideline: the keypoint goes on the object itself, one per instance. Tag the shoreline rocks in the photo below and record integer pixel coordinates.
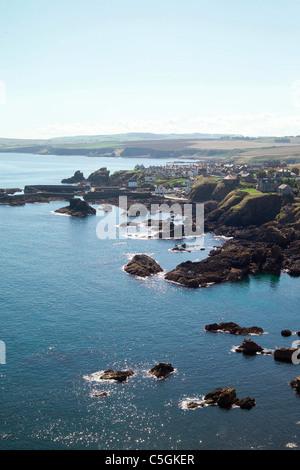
(233, 328)
(142, 266)
(161, 370)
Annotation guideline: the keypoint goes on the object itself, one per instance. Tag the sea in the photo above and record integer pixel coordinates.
(68, 311)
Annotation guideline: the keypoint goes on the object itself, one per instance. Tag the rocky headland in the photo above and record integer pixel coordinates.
(264, 233)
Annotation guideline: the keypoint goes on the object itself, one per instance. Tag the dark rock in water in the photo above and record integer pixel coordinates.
(286, 333)
(76, 178)
(161, 370)
(295, 384)
(249, 347)
(192, 405)
(100, 395)
(214, 395)
(212, 327)
(234, 328)
(224, 397)
(246, 403)
(142, 266)
(285, 354)
(119, 376)
(77, 208)
(298, 333)
(181, 249)
(227, 398)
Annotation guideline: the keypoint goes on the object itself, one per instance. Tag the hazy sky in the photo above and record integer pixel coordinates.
(72, 67)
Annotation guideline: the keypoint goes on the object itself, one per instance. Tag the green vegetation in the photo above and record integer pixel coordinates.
(251, 191)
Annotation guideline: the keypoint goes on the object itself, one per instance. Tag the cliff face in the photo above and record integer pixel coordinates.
(242, 209)
(262, 241)
(205, 189)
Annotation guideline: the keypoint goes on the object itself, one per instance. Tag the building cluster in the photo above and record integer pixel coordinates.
(229, 173)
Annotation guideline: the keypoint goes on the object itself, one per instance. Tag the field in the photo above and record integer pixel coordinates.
(229, 149)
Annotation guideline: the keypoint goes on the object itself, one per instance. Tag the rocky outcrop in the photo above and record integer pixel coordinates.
(224, 398)
(249, 347)
(77, 208)
(119, 376)
(246, 403)
(76, 178)
(285, 354)
(234, 328)
(234, 261)
(295, 384)
(161, 370)
(99, 177)
(142, 266)
(291, 261)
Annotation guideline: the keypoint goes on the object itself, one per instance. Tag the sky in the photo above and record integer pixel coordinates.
(75, 67)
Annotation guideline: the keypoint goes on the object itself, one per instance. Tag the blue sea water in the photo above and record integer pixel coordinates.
(68, 310)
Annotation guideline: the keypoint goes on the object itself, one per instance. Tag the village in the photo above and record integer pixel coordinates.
(177, 179)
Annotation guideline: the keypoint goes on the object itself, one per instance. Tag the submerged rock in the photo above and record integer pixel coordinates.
(192, 405)
(161, 370)
(119, 376)
(100, 395)
(234, 328)
(77, 208)
(142, 266)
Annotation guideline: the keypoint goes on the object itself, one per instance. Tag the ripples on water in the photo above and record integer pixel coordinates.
(68, 311)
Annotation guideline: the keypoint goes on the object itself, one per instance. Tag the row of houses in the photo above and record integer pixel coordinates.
(273, 185)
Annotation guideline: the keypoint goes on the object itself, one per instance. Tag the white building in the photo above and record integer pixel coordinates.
(132, 184)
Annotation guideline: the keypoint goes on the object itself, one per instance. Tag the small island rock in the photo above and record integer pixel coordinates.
(142, 266)
(119, 376)
(77, 208)
(161, 370)
(249, 347)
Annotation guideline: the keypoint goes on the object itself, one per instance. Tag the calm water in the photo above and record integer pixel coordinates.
(20, 169)
(68, 310)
